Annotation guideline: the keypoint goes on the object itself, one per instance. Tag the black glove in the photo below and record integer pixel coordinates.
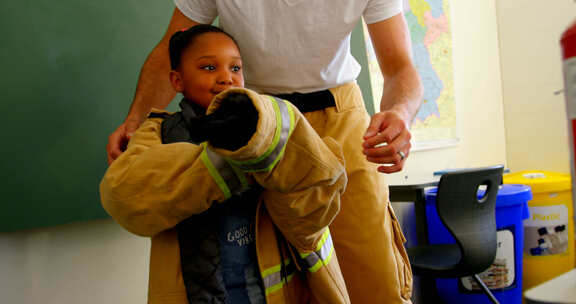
(230, 127)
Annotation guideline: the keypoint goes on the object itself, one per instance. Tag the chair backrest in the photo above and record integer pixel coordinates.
(472, 221)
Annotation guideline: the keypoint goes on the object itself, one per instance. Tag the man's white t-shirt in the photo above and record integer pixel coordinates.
(292, 46)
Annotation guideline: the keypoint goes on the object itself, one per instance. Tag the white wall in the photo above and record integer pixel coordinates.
(536, 125)
(94, 262)
(98, 262)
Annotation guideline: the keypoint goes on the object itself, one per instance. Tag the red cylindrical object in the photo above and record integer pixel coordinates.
(568, 44)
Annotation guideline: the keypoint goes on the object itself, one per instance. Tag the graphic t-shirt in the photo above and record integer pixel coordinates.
(239, 264)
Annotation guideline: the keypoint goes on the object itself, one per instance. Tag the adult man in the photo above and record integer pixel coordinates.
(300, 50)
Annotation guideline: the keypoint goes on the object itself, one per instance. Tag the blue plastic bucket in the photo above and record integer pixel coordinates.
(504, 277)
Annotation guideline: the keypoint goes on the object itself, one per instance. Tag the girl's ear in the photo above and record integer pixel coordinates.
(176, 81)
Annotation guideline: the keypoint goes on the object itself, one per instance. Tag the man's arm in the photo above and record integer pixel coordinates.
(401, 96)
(153, 90)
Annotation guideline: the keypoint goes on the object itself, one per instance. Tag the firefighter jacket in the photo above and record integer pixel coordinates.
(152, 187)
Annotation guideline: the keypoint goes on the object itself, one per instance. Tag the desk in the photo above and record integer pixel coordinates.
(414, 191)
(559, 290)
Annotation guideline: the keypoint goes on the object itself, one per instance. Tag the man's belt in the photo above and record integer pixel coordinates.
(310, 102)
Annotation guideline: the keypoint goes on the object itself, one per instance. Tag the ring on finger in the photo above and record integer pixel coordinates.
(402, 155)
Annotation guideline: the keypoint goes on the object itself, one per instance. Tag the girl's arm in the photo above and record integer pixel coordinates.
(153, 186)
(302, 173)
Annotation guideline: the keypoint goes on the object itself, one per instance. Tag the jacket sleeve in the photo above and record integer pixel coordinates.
(152, 186)
(303, 174)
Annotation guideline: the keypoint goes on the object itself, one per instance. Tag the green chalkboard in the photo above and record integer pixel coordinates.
(358, 49)
(68, 71)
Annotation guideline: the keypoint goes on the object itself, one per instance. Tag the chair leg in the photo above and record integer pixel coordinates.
(486, 289)
(429, 293)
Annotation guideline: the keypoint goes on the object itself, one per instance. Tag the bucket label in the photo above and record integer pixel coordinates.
(545, 232)
(501, 273)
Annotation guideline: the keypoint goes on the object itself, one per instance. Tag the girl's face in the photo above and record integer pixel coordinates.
(209, 66)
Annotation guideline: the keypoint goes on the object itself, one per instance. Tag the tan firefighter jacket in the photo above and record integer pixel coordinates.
(152, 187)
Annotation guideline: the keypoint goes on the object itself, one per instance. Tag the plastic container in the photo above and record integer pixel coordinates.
(549, 232)
(504, 277)
(568, 43)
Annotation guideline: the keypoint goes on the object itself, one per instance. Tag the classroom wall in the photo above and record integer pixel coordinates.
(477, 82)
(91, 263)
(531, 64)
(98, 262)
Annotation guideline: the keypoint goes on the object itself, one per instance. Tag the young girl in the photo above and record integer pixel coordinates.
(236, 190)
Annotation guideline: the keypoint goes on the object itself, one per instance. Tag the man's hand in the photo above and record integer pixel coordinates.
(387, 141)
(118, 140)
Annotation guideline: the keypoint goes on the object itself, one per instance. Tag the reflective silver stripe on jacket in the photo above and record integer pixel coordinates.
(222, 172)
(284, 125)
(273, 278)
(323, 254)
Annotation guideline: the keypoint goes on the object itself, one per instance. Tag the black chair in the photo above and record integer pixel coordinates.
(472, 223)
